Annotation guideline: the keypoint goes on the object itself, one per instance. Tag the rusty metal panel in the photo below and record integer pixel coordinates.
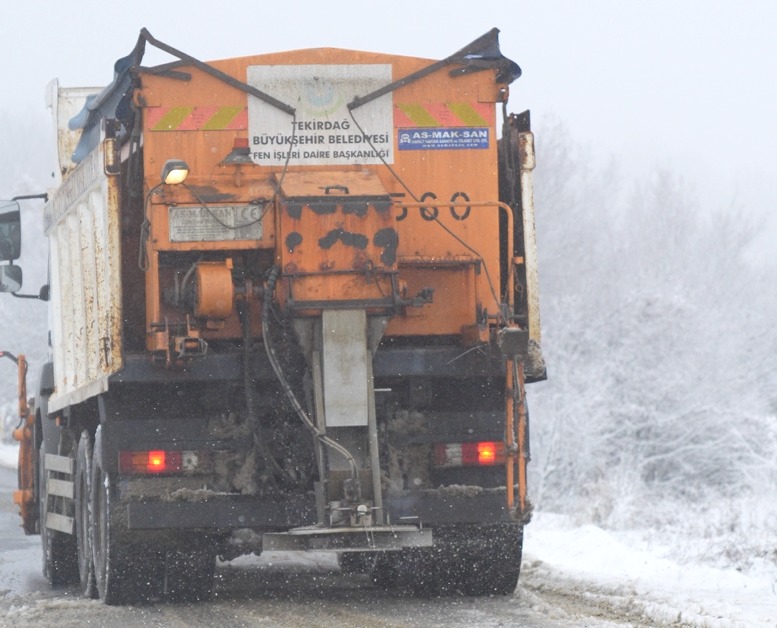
(338, 236)
(81, 221)
(76, 326)
(65, 103)
(454, 301)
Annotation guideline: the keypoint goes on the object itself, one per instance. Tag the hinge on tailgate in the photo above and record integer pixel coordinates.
(189, 347)
(106, 346)
(177, 349)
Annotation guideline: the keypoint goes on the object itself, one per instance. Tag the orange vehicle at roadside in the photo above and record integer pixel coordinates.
(294, 306)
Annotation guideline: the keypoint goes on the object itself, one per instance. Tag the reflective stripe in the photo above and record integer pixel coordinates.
(460, 114)
(196, 118)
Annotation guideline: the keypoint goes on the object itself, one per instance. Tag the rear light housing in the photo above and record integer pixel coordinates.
(475, 454)
(155, 462)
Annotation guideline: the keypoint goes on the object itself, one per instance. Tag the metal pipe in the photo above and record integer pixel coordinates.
(509, 440)
(522, 444)
(372, 433)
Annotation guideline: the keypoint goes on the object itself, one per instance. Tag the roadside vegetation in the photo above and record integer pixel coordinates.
(660, 409)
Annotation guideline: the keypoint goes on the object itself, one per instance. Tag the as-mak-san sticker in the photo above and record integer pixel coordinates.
(442, 139)
(443, 126)
(322, 131)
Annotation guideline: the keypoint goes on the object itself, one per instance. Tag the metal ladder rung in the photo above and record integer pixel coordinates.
(59, 488)
(60, 464)
(62, 488)
(60, 523)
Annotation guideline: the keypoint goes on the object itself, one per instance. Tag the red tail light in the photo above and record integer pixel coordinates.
(487, 453)
(482, 454)
(157, 462)
(149, 462)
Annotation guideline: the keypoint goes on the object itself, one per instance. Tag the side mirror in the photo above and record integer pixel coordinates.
(10, 278)
(10, 231)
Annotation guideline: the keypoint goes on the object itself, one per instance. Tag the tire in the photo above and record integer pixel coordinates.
(413, 571)
(83, 491)
(384, 573)
(60, 562)
(125, 573)
(189, 574)
(487, 558)
(465, 560)
(356, 562)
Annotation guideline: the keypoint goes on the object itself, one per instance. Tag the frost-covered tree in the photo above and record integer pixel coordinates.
(659, 343)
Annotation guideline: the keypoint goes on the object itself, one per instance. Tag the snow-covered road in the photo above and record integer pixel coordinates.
(572, 576)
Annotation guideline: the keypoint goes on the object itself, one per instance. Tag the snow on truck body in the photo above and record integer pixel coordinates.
(320, 324)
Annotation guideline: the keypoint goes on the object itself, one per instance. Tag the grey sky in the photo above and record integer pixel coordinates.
(684, 84)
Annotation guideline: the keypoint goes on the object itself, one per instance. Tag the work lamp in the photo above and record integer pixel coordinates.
(174, 171)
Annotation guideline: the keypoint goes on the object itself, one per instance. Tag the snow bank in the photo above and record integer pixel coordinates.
(629, 572)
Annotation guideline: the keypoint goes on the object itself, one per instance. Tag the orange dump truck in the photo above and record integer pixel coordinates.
(293, 306)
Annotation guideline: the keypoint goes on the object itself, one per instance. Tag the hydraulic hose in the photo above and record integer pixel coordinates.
(272, 280)
(250, 396)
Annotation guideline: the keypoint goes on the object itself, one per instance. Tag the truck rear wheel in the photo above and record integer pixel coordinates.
(83, 491)
(465, 560)
(60, 565)
(356, 562)
(487, 559)
(125, 573)
(189, 574)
